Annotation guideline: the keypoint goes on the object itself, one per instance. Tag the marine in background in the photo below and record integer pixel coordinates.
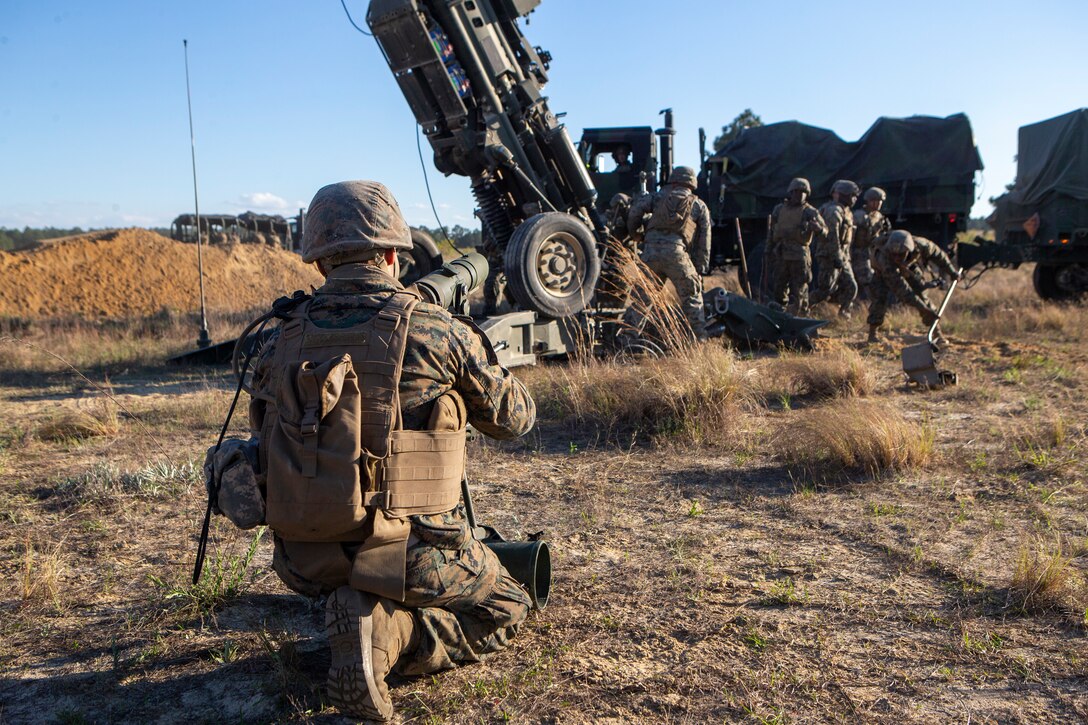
(899, 262)
(793, 225)
(676, 242)
(622, 157)
(869, 225)
(835, 276)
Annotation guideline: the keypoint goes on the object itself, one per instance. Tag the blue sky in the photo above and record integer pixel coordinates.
(287, 96)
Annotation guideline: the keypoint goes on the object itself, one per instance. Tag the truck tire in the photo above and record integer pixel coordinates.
(551, 265)
(419, 261)
(1059, 281)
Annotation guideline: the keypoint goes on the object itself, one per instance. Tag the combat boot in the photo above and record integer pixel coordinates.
(874, 337)
(367, 635)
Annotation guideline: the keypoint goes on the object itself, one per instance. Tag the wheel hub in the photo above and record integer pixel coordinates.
(559, 263)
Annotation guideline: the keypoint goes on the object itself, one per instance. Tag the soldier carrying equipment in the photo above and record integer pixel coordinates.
(870, 224)
(899, 260)
(361, 398)
(793, 225)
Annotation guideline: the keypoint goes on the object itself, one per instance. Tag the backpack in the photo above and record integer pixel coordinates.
(338, 466)
(672, 212)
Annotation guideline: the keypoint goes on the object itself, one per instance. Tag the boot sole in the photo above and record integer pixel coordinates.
(352, 686)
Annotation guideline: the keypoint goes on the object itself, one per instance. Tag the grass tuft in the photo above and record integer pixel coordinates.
(1042, 578)
(99, 420)
(692, 396)
(853, 436)
(836, 373)
(106, 482)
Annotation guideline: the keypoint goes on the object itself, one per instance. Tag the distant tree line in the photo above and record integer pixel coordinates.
(462, 237)
(14, 239)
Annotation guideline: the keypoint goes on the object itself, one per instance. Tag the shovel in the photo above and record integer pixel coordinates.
(919, 362)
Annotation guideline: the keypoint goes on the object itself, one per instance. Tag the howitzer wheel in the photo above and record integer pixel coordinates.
(1060, 281)
(551, 265)
(419, 261)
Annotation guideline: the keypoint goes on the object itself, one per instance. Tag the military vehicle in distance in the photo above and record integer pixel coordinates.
(1044, 218)
(926, 165)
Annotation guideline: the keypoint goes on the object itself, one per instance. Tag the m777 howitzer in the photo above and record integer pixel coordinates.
(474, 84)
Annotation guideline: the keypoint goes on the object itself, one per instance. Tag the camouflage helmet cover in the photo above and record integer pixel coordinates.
(900, 243)
(801, 184)
(685, 176)
(845, 186)
(875, 192)
(353, 216)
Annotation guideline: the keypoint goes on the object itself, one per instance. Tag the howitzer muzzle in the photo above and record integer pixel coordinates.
(450, 285)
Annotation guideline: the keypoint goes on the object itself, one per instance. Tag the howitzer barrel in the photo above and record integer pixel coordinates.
(450, 285)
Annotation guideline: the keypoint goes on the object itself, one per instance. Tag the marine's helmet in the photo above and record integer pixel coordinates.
(685, 176)
(845, 186)
(353, 216)
(874, 193)
(801, 184)
(900, 244)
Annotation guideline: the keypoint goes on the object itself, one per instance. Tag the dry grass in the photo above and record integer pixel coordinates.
(654, 312)
(105, 343)
(97, 420)
(853, 436)
(692, 396)
(40, 574)
(839, 372)
(1043, 578)
(106, 483)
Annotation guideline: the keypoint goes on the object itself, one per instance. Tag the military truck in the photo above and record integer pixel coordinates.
(926, 165)
(1044, 217)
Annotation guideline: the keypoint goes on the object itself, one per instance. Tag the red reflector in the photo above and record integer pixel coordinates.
(951, 218)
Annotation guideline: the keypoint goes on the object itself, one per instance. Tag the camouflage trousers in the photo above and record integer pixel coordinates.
(672, 261)
(863, 272)
(908, 289)
(792, 275)
(834, 282)
(465, 604)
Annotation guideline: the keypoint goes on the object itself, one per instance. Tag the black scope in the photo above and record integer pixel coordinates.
(450, 285)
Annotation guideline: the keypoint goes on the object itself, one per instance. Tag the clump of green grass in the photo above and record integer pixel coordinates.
(785, 592)
(226, 575)
(853, 436)
(694, 395)
(1043, 578)
(105, 482)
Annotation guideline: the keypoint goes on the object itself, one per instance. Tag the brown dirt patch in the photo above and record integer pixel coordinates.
(136, 272)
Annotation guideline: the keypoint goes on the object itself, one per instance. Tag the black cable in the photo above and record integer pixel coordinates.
(371, 35)
(427, 183)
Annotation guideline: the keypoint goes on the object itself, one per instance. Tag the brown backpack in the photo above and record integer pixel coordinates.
(338, 465)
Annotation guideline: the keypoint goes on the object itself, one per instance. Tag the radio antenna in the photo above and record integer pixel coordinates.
(203, 340)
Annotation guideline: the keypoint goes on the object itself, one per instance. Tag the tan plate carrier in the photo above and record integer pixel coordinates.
(340, 467)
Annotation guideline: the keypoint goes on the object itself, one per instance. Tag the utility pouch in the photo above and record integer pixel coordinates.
(314, 451)
(236, 493)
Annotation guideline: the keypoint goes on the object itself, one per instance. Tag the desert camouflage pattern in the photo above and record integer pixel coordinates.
(905, 281)
(353, 216)
(835, 276)
(619, 207)
(465, 602)
(792, 229)
(231, 466)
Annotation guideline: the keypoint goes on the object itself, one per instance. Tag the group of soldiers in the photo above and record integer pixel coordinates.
(857, 253)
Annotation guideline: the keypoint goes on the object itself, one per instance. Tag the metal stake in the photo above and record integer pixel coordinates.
(203, 340)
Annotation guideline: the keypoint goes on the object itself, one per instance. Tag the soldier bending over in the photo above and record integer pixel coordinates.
(898, 265)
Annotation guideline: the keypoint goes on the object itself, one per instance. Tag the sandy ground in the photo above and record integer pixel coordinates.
(693, 583)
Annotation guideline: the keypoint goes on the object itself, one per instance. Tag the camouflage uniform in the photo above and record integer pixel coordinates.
(905, 280)
(676, 245)
(869, 225)
(790, 234)
(616, 218)
(467, 604)
(495, 284)
(835, 278)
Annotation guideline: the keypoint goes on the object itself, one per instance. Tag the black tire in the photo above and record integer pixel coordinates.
(419, 261)
(552, 265)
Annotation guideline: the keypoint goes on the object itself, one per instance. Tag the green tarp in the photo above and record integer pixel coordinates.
(1052, 160)
(762, 160)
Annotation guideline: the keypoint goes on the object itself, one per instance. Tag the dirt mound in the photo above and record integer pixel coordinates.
(133, 272)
